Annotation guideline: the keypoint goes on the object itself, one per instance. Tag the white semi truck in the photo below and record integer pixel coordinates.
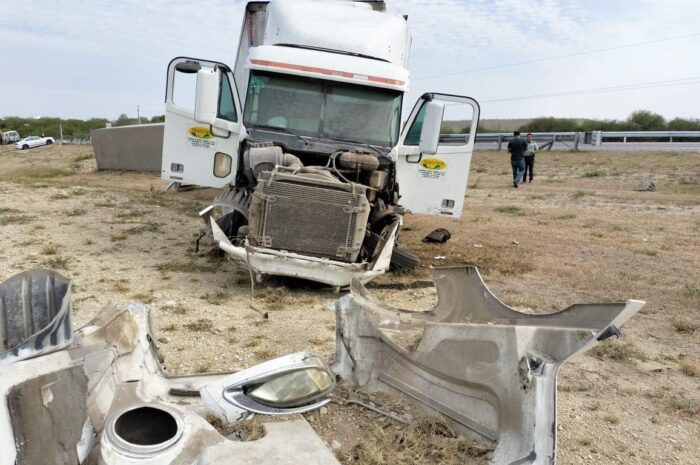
(305, 137)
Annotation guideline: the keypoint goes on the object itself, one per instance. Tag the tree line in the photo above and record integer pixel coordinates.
(72, 128)
(640, 120)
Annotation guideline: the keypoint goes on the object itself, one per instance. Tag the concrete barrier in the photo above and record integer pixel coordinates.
(130, 148)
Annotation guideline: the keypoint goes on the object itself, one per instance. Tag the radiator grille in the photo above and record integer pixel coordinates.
(309, 216)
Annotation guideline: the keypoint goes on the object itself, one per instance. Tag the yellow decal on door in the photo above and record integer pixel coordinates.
(200, 132)
(200, 136)
(433, 164)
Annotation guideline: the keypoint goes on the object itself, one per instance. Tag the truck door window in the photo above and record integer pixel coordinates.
(184, 87)
(413, 135)
(227, 107)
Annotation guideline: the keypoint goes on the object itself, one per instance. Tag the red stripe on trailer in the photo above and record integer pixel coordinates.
(328, 72)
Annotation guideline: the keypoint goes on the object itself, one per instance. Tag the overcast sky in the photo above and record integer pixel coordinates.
(101, 58)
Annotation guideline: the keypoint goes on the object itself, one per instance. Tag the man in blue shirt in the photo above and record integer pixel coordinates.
(516, 148)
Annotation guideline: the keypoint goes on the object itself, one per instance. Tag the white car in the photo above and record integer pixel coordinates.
(34, 141)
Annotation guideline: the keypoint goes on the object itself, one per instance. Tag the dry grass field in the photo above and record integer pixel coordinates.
(579, 233)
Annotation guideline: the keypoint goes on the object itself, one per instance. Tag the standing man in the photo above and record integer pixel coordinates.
(530, 150)
(516, 148)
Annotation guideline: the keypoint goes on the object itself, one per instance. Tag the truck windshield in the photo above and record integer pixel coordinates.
(324, 109)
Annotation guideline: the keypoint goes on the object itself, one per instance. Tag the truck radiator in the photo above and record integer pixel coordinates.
(309, 215)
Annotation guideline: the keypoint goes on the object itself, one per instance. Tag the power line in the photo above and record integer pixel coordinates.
(557, 57)
(601, 90)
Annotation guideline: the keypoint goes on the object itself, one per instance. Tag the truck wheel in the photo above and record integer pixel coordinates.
(403, 260)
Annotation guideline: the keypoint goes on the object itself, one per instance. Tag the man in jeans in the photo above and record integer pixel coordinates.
(516, 148)
(530, 150)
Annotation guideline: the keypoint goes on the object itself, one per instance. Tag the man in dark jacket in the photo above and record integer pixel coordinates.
(516, 148)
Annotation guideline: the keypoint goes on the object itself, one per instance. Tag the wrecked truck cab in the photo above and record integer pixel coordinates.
(306, 138)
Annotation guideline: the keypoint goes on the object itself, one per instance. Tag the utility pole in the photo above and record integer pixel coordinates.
(138, 113)
(60, 131)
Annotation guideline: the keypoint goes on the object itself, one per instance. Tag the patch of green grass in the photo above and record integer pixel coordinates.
(118, 237)
(131, 213)
(121, 285)
(204, 367)
(510, 209)
(187, 267)
(142, 228)
(144, 297)
(49, 249)
(203, 324)
(57, 263)
(253, 343)
(684, 406)
(45, 172)
(15, 219)
(264, 354)
(597, 234)
(585, 442)
(691, 290)
(689, 368)
(4, 210)
(591, 174)
(81, 158)
(684, 325)
(216, 298)
(178, 309)
(647, 252)
(620, 351)
(580, 194)
(77, 212)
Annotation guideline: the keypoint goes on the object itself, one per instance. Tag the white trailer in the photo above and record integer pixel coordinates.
(305, 137)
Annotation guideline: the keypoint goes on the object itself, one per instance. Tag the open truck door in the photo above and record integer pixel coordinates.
(203, 128)
(433, 171)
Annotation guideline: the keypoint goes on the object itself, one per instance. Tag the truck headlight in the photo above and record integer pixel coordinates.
(295, 388)
(294, 383)
(222, 165)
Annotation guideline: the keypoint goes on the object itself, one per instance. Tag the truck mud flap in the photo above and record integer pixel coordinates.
(490, 370)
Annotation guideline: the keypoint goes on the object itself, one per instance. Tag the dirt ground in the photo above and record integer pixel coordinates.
(579, 233)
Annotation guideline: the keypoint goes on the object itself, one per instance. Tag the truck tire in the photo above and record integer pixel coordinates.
(401, 259)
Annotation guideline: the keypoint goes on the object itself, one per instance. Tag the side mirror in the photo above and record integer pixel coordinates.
(206, 96)
(430, 133)
(295, 383)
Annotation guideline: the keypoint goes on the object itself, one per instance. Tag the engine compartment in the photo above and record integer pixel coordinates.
(334, 205)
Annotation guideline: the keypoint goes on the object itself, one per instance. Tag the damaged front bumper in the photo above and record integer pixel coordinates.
(491, 370)
(264, 261)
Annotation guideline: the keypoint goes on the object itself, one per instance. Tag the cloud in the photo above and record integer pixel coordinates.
(102, 58)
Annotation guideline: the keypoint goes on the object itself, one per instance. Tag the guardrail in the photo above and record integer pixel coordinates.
(670, 135)
(572, 140)
(545, 139)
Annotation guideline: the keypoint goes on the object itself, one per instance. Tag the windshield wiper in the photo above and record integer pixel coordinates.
(285, 130)
(362, 144)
